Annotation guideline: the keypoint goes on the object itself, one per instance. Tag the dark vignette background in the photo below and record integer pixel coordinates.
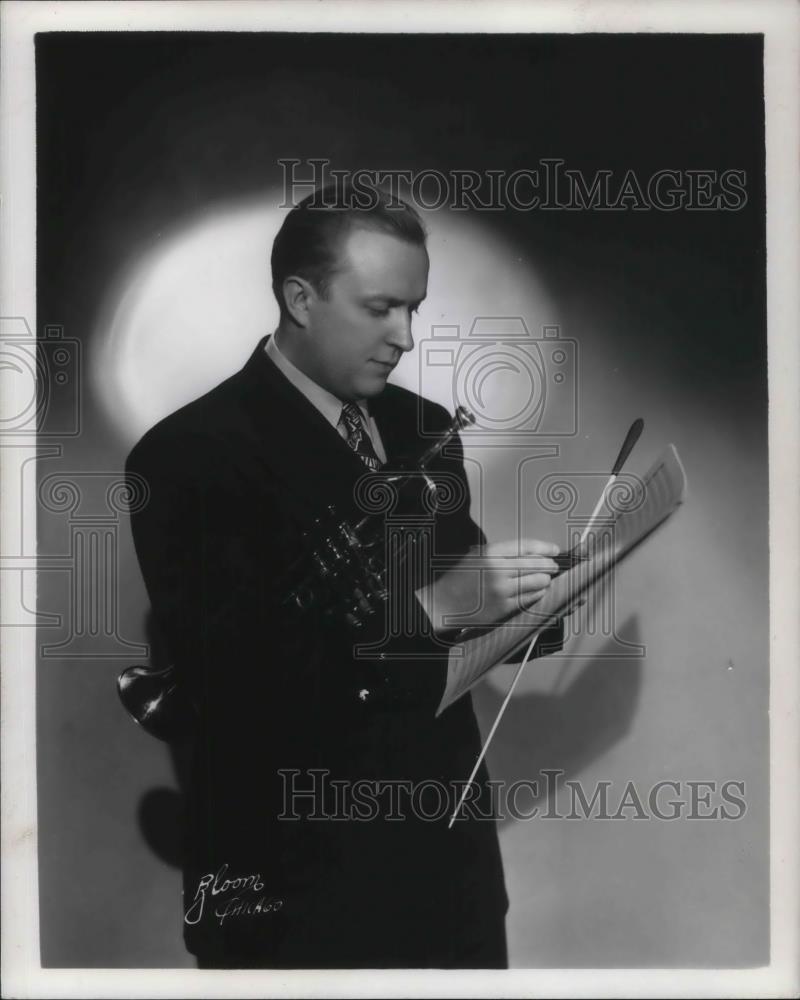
(139, 132)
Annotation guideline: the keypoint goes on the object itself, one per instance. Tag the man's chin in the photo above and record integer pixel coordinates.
(373, 385)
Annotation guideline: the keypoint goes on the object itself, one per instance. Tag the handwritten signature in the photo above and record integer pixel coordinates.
(218, 885)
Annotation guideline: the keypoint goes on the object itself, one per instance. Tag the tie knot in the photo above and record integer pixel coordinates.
(357, 437)
(351, 413)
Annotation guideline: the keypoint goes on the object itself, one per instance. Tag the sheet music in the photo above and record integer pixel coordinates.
(657, 496)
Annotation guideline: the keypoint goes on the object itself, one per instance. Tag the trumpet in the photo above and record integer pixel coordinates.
(344, 568)
(341, 575)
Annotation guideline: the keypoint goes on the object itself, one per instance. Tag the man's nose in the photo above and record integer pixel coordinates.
(400, 336)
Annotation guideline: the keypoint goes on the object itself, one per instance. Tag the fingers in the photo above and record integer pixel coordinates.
(527, 597)
(517, 569)
(536, 547)
(516, 547)
(528, 590)
(531, 582)
(513, 567)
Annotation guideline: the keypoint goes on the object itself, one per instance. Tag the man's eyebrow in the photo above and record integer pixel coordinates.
(391, 301)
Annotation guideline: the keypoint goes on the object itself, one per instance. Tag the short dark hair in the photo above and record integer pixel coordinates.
(310, 238)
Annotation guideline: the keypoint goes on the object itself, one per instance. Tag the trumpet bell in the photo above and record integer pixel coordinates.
(153, 699)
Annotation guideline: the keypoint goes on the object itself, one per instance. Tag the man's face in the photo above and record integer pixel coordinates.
(358, 332)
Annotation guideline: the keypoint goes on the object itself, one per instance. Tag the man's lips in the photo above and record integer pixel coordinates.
(388, 365)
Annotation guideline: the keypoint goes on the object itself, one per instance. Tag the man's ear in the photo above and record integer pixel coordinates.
(299, 295)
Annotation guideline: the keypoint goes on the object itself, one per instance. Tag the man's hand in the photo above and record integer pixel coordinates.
(491, 583)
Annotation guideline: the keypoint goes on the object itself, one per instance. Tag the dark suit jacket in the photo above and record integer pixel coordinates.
(234, 478)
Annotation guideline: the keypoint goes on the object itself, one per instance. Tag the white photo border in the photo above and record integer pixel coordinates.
(779, 22)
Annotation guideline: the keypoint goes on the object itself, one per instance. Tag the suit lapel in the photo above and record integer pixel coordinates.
(397, 425)
(296, 441)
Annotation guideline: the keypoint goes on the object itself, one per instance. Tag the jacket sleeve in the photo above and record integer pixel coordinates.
(458, 531)
(212, 548)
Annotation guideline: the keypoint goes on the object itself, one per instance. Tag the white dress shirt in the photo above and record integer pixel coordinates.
(325, 402)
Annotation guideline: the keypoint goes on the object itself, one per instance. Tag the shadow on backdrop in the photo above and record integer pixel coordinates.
(160, 810)
(568, 730)
(564, 731)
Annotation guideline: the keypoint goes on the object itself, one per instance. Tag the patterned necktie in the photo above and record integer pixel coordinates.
(357, 437)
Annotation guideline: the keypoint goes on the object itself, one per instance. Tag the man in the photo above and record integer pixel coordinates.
(289, 862)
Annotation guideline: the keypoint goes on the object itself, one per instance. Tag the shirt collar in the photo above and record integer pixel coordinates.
(329, 406)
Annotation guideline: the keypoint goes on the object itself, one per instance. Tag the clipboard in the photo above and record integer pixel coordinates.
(654, 499)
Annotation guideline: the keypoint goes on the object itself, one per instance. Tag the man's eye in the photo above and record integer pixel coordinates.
(378, 311)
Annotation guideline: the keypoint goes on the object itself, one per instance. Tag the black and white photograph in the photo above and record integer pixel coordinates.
(400, 501)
